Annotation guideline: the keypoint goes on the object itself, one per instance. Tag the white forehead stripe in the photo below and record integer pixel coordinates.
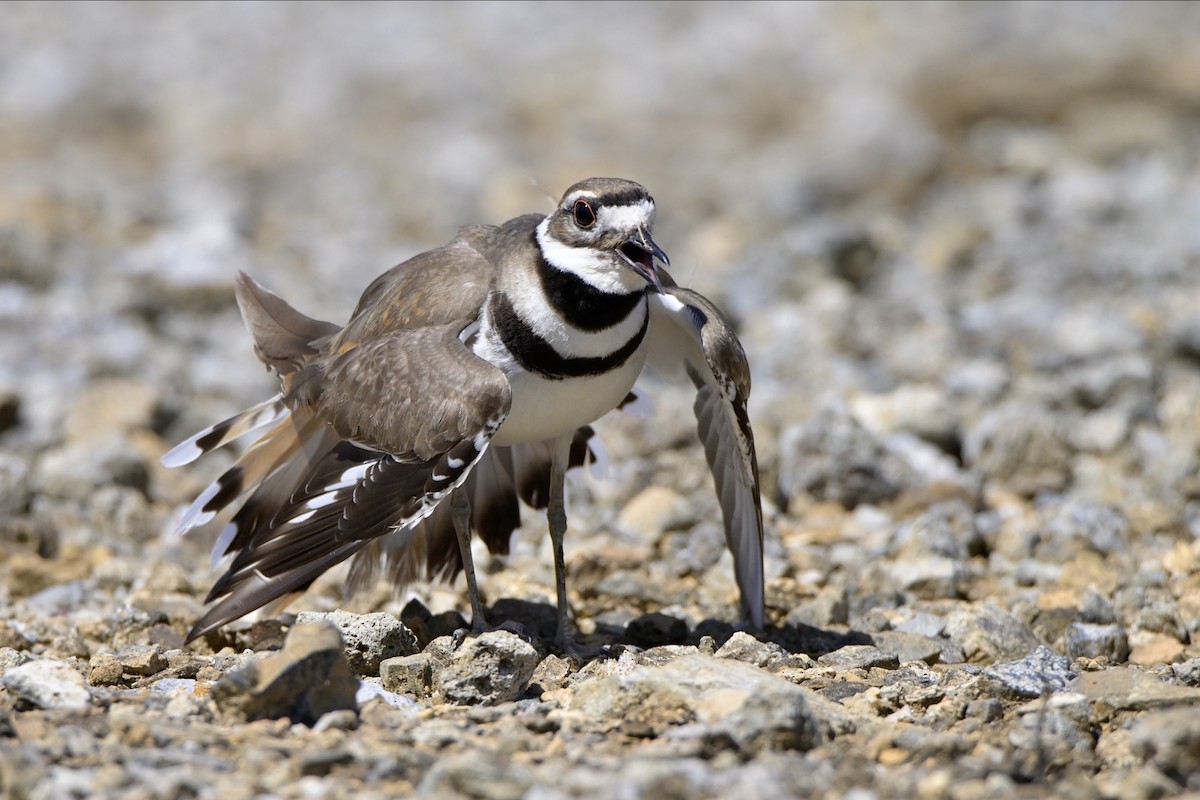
(637, 215)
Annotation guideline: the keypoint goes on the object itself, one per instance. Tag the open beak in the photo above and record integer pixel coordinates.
(640, 251)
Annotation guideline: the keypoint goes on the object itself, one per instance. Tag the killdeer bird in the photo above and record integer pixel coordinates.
(465, 382)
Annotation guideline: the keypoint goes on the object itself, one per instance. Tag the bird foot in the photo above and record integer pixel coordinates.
(582, 653)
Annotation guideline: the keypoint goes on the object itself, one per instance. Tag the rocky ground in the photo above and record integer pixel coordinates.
(962, 246)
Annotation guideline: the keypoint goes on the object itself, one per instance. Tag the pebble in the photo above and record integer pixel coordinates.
(48, 684)
(1130, 689)
(859, 656)
(833, 457)
(1170, 740)
(987, 633)
(1086, 640)
(1021, 445)
(1041, 672)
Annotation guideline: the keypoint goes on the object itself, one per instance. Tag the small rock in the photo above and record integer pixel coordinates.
(1127, 689)
(835, 458)
(1155, 648)
(654, 510)
(10, 658)
(1171, 741)
(929, 577)
(142, 660)
(1022, 445)
(744, 647)
(14, 485)
(988, 633)
(308, 678)
(859, 656)
(412, 675)
(1085, 640)
(831, 606)
(985, 709)
(369, 638)
(48, 684)
(1043, 671)
(105, 670)
(1188, 671)
(322, 762)
(494, 667)
(909, 646)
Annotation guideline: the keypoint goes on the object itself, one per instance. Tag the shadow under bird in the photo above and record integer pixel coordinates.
(463, 385)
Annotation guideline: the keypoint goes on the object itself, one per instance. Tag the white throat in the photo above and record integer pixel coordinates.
(597, 268)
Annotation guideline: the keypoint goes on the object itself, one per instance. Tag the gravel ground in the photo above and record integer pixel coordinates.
(961, 242)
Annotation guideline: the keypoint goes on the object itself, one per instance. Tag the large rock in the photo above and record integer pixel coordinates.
(988, 633)
(369, 638)
(309, 677)
(494, 667)
(721, 699)
(48, 684)
(833, 457)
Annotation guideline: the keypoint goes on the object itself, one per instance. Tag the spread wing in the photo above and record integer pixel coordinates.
(687, 330)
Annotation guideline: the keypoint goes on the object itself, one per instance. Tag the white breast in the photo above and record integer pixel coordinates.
(546, 409)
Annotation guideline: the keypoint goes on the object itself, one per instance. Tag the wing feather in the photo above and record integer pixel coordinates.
(688, 331)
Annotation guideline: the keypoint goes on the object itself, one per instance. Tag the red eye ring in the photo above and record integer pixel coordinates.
(585, 217)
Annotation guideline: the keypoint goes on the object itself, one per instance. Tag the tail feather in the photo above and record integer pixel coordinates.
(284, 339)
(252, 419)
(267, 454)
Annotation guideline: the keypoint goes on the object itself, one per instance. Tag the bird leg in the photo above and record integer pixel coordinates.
(460, 506)
(556, 515)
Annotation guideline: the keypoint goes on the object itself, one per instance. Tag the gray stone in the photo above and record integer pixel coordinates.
(408, 674)
(945, 530)
(929, 577)
(494, 667)
(1041, 672)
(308, 678)
(909, 646)
(1127, 689)
(14, 485)
(744, 647)
(752, 709)
(835, 458)
(1022, 445)
(1098, 527)
(142, 660)
(987, 633)
(1085, 640)
(48, 684)
(859, 656)
(1188, 671)
(1170, 740)
(831, 606)
(369, 638)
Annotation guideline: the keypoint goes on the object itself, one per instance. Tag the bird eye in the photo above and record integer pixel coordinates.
(584, 216)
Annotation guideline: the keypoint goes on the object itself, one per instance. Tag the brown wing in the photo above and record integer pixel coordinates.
(687, 330)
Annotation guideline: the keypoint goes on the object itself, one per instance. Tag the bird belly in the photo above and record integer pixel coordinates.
(546, 409)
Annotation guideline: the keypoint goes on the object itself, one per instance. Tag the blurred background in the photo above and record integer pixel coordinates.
(974, 225)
